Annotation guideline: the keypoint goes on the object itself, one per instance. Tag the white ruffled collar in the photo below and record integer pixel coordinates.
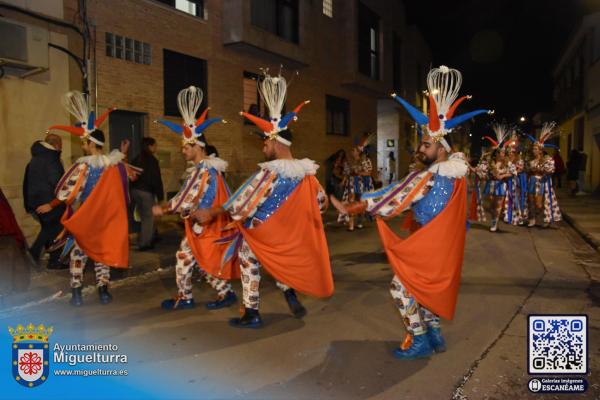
(295, 169)
(454, 167)
(215, 162)
(102, 160)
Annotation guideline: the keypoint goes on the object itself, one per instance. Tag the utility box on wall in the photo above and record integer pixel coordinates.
(23, 47)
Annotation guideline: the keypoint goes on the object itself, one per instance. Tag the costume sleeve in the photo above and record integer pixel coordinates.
(71, 184)
(322, 200)
(192, 190)
(246, 200)
(398, 197)
(482, 170)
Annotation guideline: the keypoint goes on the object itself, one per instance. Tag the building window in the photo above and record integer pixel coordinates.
(192, 7)
(368, 42)
(397, 62)
(119, 47)
(252, 102)
(109, 42)
(179, 72)
(127, 49)
(146, 53)
(337, 115)
(328, 8)
(279, 17)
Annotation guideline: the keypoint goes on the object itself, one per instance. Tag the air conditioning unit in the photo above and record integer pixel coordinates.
(23, 47)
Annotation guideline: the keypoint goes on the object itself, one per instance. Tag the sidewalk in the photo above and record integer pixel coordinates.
(48, 284)
(583, 213)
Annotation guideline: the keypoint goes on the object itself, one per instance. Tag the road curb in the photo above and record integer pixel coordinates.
(582, 232)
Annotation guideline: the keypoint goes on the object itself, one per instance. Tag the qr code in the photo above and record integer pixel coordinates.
(557, 344)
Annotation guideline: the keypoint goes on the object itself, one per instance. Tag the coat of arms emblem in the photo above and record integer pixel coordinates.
(30, 354)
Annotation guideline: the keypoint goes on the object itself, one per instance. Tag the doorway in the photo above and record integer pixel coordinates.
(127, 125)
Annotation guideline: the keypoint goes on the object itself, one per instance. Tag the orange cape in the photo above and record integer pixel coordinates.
(208, 254)
(429, 261)
(100, 225)
(291, 244)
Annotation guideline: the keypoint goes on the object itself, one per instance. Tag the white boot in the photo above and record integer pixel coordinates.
(494, 226)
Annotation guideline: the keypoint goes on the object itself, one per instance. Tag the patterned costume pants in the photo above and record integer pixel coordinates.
(416, 317)
(250, 271)
(77, 266)
(186, 262)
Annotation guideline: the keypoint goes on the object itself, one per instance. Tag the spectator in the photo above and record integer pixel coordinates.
(336, 179)
(146, 191)
(559, 168)
(42, 174)
(581, 176)
(391, 167)
(573, 171)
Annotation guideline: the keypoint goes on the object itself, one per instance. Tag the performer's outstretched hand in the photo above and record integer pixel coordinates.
(338, 205)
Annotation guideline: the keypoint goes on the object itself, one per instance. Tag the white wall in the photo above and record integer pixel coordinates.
(27, 108)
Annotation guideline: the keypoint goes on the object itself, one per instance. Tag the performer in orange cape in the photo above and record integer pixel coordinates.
(95, 190)
(204, 186)
(426, 265)
(278, 215)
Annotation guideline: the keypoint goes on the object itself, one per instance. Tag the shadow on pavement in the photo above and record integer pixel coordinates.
(377, 370)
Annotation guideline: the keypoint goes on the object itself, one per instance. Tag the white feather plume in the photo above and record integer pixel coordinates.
(273, 91)
(77, 104)
(501, 132)
(548, 130)
(443, 84)
(188, 101)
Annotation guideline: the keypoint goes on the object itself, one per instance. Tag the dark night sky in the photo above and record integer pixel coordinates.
(506, 49)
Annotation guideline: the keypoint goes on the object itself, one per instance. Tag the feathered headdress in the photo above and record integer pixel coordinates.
(501, 132)
(512, 141)
(78, 105)
(443, 84)
(364, 141)
(192, 129)
(273, 92)
(548, 131)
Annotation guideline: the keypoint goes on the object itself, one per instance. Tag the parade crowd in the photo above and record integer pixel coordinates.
(273, 221)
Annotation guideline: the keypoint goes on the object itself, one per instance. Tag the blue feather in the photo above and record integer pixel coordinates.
(451, 123)
(286, 119)
(91, 121)
(200, 128)
(417, 115)
(533, 140)
(178, 129)
(553, 146)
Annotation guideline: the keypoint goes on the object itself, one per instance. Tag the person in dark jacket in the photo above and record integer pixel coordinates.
(41, 177)
(146, 191)
(573, 170)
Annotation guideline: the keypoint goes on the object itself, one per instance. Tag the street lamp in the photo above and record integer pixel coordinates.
(522, 119)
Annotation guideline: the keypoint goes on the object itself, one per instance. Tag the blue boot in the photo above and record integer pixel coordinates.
(229, 299)
(76, 298)
(420, 349)
(103, 294)
(294, 304)
(250, 319)
(177, 304)
(436, 340)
